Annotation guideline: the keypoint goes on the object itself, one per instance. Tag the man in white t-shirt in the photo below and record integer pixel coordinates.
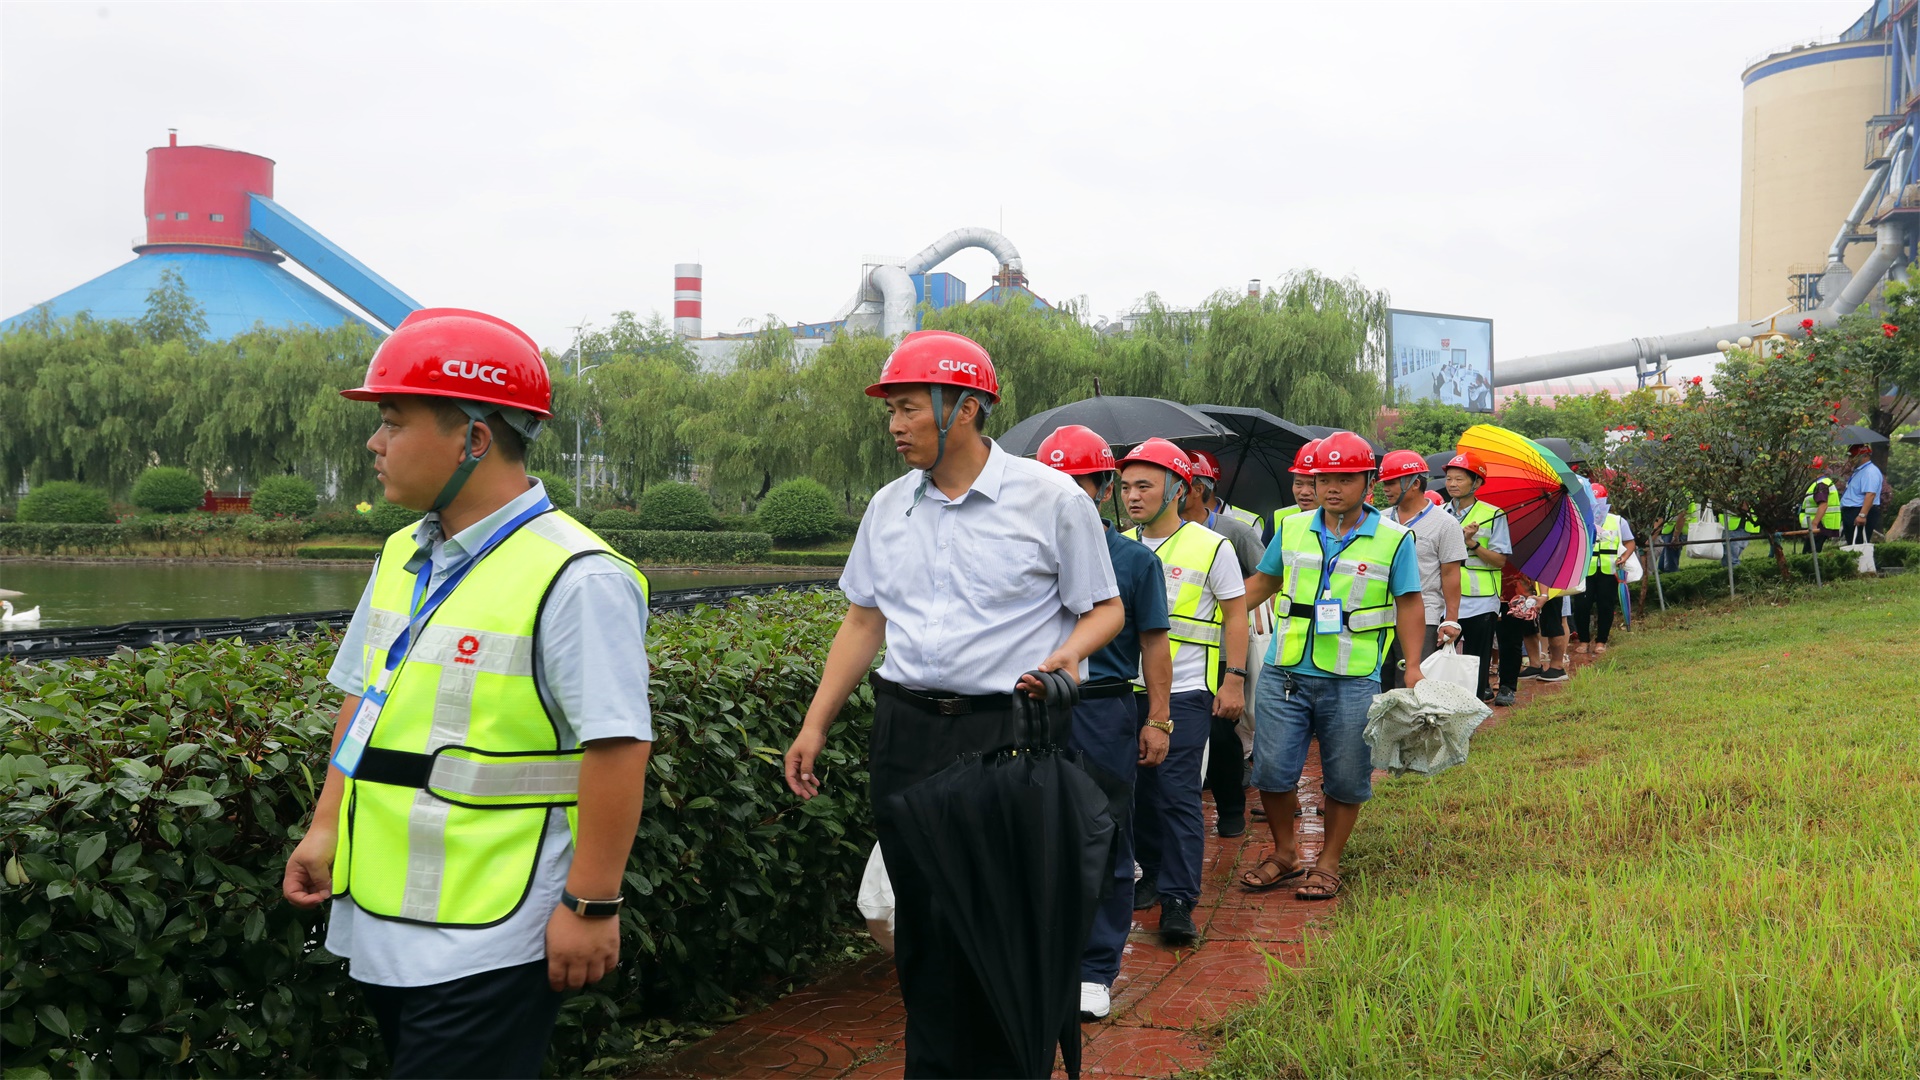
(1207, 610)
(1440, 547)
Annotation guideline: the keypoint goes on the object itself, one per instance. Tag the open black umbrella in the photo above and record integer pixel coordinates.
(1321, 431)
(1253, 464)
(1437, 464)
(1122, 421)
(1853, 434)
(1021, 841)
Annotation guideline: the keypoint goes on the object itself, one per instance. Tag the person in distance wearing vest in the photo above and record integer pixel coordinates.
(1612, 546)
(1226, 753)
(1345, 581)
(1820, 510)
(491, 755)
(1209, 635)
(972, 569)
(1306, 498)
(1438, 545)
(1485, 529)
(1107, 724)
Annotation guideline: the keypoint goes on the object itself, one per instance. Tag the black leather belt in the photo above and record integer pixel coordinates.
(1106, 688)
(941, 704)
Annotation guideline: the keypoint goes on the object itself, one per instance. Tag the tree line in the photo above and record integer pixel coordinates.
(100, 401)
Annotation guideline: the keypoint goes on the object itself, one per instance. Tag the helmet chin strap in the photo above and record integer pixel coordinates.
(943, 424)
(468, 461)
(1176, 492)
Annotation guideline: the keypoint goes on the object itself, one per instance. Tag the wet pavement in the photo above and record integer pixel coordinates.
(1167, 1003)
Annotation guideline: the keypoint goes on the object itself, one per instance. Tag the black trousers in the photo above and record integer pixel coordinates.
(1512, 633)
(1858, 528)
(1596, 604)
(1227, 768)
(1391, 677)
(494, 1024)
(1476, 639)
(951, 1029)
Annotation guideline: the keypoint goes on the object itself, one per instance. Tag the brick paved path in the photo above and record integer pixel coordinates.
(852, 1024)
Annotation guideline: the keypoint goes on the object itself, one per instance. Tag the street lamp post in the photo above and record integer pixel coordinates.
(578, 452)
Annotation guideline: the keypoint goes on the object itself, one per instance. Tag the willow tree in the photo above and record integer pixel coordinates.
(1043, 356)
(851, 451)
(746, 423)
(1311, 351)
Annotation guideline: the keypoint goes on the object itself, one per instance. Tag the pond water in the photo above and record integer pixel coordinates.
(101, 594)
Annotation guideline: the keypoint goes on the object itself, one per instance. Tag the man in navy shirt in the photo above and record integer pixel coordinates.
(1106, 723)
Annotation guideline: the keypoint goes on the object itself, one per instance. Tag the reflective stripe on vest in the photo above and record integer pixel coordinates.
(1606, 547)
(1831, 520)
(446, 822)
(1477, 578)
(1359, 581)
(1245, 517)
(1188, 557)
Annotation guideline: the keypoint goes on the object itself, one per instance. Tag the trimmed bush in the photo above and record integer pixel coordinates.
(386, 518)
(165, 489)
(54, 538)
(1897, 553)
(799, 511)
(1701, 583)
(688, 548)
(806, 558)
(559, 489)
(285, 497)
(673, 506)
(150, 801)
(66, 502)
(619, 520)
(336, 551)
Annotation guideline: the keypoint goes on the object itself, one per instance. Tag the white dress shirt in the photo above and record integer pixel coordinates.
(980, 589)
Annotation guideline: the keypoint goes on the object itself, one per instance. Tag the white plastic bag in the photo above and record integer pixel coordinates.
(1453, 666)
(876, 899)
(1863, 549)
(1634, 571)
(1703, 536)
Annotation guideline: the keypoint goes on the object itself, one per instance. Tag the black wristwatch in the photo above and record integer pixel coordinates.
(591, 909)
(1240, 671)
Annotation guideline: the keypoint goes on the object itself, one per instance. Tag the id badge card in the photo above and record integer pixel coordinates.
(1326, 617)
(360, 731)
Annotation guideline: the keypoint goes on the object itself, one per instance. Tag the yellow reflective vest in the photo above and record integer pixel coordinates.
(1245, 517)
(1831, 520)
(1187, 558)
(1359, 579)
(1283, 514)
(1606, 547)
(1478, 578)
(446, 819)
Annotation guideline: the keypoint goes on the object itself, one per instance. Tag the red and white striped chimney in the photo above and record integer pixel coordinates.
(686, 299)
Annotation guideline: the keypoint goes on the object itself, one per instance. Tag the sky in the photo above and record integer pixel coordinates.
(1569, 170)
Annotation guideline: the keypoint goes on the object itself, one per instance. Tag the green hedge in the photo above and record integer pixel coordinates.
(336, 551)
(285, 497)
(51, 538)
(799, 511)
(166, 489)
(674, 507)
(1904, 553)
(616, 519)
(1698, 583)
(66, 502)
(683, 548)
(150, 801)
(806, 558)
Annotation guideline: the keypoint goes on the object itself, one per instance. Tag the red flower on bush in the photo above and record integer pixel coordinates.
(1703, 447)
(1889, 329)
(1696, 380)
(1806, 324)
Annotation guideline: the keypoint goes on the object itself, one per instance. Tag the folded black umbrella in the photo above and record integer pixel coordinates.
(1122, 421)
(1021, 842)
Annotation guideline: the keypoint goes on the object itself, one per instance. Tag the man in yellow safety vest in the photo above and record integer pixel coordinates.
(1305, 496)
(490, 758)
(1820, 510)
(1488, 546)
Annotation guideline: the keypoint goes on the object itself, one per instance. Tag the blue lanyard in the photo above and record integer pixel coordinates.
(1416, 517)
(397, 652)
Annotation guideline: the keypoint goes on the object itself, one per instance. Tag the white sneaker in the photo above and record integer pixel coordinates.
(1095, 1002)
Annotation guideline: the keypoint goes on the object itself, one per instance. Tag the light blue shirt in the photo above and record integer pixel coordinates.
(591, 655)
(1866, 480)
(1403, 577)
(980, 589)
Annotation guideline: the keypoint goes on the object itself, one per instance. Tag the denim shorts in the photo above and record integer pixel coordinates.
(1292, 710)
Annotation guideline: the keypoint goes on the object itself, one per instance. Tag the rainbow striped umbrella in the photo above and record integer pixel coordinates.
(1548, 510)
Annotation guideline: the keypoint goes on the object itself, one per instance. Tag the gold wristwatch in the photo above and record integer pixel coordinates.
(1163, 725)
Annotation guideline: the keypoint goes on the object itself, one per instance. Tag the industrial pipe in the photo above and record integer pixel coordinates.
(1837, 252)
(1892, 239)
(895, 283)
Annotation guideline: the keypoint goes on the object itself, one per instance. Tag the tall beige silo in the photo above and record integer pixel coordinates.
(1803, 156)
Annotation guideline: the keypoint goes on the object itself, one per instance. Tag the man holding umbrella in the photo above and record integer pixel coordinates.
(1107, 726)
(1488, 546)
(1860, 502)
(1209, 634)
(1346, 581)
(971, 569)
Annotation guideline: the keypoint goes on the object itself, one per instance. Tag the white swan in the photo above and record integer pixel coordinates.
(29, 617)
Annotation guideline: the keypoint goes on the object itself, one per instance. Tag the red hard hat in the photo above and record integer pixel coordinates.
(1599, 491)
(1343, 452)
(1465, 460)
(941, 358)
(1401, 463)
(1303, 458)
(1434, 497)
(454, 353)
(1164, 454)
(1205, 465)
(1077, 451)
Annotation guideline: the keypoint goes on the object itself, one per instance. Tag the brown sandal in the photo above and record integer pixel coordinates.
(1282, 874)
(1320, 885)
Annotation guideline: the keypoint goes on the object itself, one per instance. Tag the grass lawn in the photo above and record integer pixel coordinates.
(1700, 859)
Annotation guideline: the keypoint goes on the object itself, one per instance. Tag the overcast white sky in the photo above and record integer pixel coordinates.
(1569, 170)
